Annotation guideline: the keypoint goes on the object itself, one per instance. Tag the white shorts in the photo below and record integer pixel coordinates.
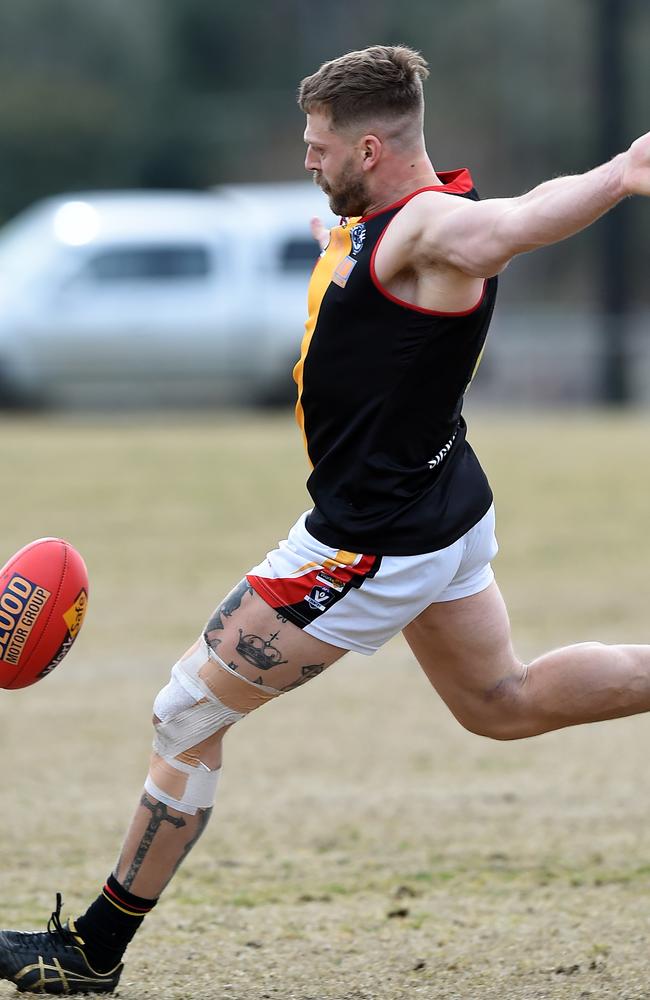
(359, 602)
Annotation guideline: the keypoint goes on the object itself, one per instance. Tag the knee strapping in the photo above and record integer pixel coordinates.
(185, 787)
(203, 697)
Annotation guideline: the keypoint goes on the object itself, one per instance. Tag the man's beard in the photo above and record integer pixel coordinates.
(347, 195)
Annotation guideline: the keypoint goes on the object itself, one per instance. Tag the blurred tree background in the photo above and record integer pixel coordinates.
(191, 93)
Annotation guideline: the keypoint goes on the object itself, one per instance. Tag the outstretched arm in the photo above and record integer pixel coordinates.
(480, 238)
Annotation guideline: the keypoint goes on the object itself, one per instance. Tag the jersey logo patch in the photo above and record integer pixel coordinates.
(330, 581)
(343, 271)
(319, 598)
(358, 236)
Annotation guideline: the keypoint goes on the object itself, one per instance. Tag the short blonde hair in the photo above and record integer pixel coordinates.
(380, 81)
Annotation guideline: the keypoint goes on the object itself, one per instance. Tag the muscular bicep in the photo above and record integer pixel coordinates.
(480, 238)
(477, 238)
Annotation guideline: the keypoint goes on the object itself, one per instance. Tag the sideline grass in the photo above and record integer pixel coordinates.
(364, 846)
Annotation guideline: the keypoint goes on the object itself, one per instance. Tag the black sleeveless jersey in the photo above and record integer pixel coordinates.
(380, 392)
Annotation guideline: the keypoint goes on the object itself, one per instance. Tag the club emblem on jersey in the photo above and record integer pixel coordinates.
(358, 236)
(319, 598)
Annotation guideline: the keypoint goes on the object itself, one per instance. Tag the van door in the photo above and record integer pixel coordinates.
(142, 315)
(292, 255)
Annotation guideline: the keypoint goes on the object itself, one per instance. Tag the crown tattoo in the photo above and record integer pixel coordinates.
(263, 655)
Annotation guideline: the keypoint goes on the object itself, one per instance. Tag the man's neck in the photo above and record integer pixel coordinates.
(403, 177)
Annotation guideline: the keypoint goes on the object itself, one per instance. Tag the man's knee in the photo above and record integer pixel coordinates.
(203, 699)
(499, 712)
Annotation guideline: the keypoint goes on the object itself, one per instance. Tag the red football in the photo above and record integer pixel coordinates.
(43, 599)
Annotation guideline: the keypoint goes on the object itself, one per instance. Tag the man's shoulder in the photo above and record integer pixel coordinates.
(421, 212)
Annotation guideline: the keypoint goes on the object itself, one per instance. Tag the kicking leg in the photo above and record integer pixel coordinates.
(465, 649)
(248, 655)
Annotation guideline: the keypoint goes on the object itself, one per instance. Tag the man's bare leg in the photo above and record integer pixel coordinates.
(160, 837)
(157, 842)
(250, 654)
(465, 649)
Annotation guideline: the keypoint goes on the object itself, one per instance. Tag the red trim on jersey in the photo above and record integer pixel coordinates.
(453, 182)
(410, 305)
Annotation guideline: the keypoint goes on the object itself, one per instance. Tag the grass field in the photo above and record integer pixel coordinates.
(364, 846)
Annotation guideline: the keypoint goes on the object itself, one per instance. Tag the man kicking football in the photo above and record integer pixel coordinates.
(401, 534)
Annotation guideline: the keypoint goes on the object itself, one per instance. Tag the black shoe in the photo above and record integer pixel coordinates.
(52, 961)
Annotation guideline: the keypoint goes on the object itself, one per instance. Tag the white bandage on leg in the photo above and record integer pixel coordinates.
(182, 786)
(177, 732)
(203, 673)
(203, 696)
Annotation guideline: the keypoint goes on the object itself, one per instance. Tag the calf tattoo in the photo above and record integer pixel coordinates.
(159, 815)
(202, 821)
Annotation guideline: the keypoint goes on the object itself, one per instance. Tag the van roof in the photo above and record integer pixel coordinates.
(121, 214)
(278, 201)
(80, 217)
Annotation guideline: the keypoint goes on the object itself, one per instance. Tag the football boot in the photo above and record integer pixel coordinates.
(52, 961)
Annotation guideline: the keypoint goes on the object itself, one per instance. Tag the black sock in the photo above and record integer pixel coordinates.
(110, 922)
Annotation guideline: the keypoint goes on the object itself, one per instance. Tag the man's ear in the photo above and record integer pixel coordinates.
(371, 149)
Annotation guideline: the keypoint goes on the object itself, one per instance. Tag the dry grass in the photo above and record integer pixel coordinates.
(364, 846)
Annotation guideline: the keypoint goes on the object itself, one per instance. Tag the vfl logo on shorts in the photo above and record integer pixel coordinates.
(319, 598)
(302, 595)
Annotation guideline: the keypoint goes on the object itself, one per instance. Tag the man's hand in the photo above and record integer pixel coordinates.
(636, 167)
(320, 233)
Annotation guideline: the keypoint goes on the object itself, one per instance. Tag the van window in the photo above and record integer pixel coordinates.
(149, 263)
(298, 254)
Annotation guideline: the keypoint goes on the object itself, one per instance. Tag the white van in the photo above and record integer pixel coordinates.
(144, 297)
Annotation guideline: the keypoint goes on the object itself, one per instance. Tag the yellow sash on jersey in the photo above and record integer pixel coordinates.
(338, 249)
